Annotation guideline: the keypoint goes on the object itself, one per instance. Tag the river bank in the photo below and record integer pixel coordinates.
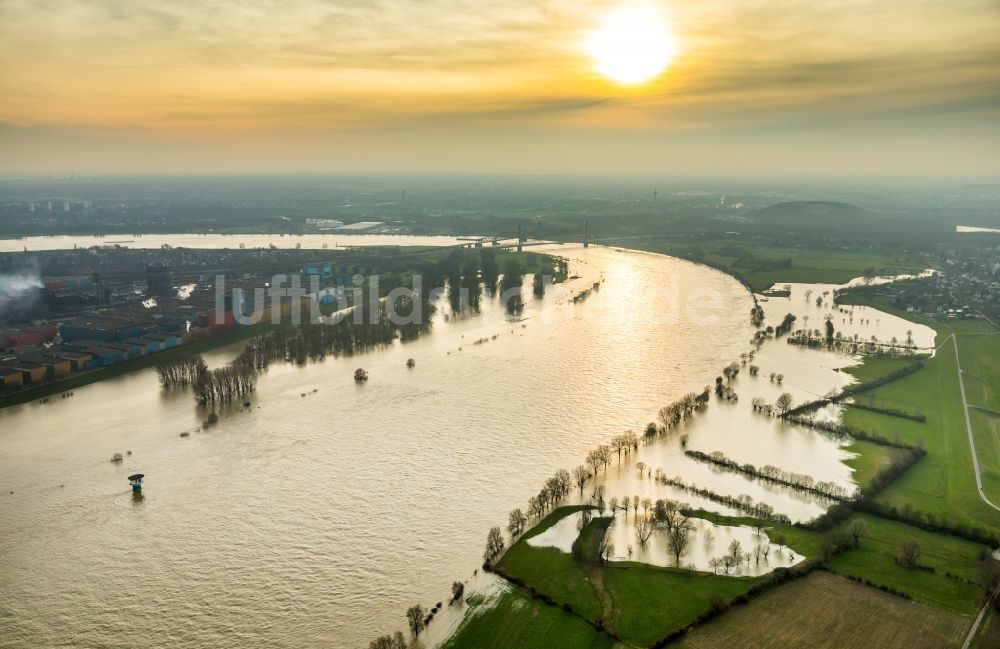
(804, 301)
(472, 430)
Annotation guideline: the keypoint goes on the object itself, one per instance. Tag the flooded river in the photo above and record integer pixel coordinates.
(315, 517)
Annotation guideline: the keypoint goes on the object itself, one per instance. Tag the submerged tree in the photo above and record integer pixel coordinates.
(678, 538)
(644, 527)
(783, 403)
(516, 522)
(580, 477)
(181, 371)
(415, 618)
(735, 552)
(494, 544)
(395, 641)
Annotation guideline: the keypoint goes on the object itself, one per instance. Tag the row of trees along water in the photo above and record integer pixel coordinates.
(743, 502)
(181, 372)
(600, 458)
(771, 473)
(365, 327)
(829, 337)
(471, 274)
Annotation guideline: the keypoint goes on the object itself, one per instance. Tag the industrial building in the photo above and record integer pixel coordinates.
(359, 227)
(78, 360)
(10, 379)
(30, 372)
(101, 327)
(160, 281)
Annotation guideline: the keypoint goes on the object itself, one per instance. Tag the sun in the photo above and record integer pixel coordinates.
(632, 45)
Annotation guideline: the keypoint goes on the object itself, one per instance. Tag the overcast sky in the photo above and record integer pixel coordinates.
(757, 86)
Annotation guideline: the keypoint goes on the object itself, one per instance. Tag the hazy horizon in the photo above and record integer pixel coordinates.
(453, 86)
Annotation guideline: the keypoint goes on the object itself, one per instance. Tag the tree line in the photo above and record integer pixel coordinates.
(773, 474)
(742, 502)
(180, 372)
(857, 388)
(225, 383)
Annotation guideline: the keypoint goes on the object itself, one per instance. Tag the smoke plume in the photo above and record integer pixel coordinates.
(19, 293)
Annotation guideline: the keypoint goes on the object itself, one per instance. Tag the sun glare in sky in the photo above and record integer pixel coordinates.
(632, 45)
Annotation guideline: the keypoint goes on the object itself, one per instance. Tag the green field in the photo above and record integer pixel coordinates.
(635, 602)
(513, 620)
(762, 266)
(988, 635)
(640, 603)
(875, 367)
(980, 357)
(871, 459)
(823, 611)
(551, 571)
(986, 432)
(953, 559)
(942, 483)
(649, 601)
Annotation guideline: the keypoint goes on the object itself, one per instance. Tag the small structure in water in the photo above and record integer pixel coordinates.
(136, 481)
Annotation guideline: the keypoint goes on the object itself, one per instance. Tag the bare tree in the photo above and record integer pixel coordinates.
(494, 544)
(783, 403)
(909, 554)
(604, 452)
(381, 642)
(857, 529)
(516, 522)
(395, 641)
(618, 445)
(415, 617)
(595, 461)
(643, 528)
(735, 552)
(564, 481)
(580, 477)
(606, 550)
(679, 537)
(668, 513)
